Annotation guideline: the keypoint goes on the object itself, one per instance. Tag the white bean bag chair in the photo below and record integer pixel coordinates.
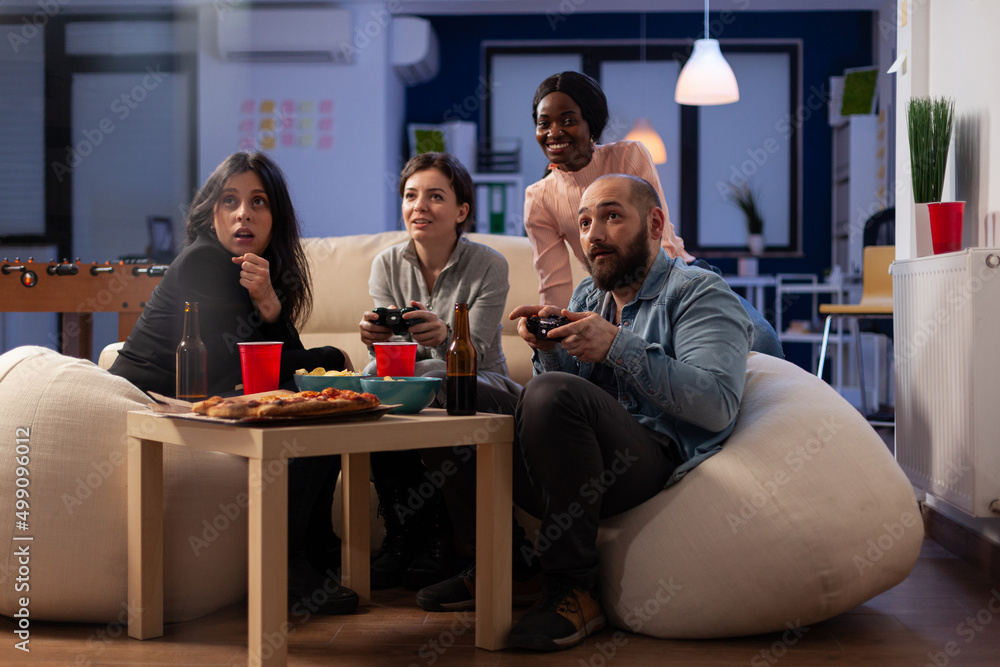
(67, 417)
(803, 515)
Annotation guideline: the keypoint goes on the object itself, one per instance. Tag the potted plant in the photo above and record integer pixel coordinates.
(746, 199)
(929, 122)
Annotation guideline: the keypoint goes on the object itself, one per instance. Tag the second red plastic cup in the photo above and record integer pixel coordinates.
(261, 365)
(946, 225)
(395, 359)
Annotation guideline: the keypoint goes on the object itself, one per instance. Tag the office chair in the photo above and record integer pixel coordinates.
(876, 303)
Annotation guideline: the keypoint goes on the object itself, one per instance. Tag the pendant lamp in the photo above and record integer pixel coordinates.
(706, 78)
(642, 130)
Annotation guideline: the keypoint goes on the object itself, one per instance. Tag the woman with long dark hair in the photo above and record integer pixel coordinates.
(244, 265)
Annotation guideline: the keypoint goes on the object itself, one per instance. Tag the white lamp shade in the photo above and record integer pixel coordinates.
(643, 132)
(706, 78)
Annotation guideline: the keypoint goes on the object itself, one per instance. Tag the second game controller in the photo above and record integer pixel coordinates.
(541, 326)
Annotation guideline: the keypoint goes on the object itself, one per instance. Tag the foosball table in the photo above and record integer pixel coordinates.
(78, 290)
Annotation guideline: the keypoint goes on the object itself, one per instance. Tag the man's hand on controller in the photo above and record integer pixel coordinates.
(522, 313)
(588, 336)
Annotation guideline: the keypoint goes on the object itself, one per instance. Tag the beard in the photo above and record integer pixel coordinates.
(626, 267)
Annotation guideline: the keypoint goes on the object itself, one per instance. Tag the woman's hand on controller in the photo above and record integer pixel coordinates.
(373, 333)
(255, 276)
(429, 333)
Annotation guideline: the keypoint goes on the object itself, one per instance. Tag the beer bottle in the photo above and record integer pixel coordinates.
(461, 366)
(192, 358)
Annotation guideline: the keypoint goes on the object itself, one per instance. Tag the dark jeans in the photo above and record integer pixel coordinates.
(311, 483)
(579, 456)
(587, 459)
(453, 469)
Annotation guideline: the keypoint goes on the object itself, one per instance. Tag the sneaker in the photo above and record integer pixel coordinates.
(310, 592)
(459, 592)
(564, 617)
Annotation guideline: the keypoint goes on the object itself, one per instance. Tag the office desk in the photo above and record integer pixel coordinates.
(754, 286)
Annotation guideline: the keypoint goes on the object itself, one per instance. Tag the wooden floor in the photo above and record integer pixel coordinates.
(945, 613)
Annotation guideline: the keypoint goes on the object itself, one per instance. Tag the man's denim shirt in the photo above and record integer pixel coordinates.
(679, 356)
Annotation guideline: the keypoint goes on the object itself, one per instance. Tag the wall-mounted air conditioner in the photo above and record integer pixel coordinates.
(414, 50)
(285, 35)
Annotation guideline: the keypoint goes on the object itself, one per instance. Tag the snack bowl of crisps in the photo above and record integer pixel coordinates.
(413, 394)
(319, 379)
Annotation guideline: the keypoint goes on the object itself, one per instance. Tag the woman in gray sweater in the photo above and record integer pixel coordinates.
(437, 268)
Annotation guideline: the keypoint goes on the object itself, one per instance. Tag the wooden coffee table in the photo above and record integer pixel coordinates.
(268, 510)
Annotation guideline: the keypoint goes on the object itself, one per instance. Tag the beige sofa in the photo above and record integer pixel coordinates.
(803, 515)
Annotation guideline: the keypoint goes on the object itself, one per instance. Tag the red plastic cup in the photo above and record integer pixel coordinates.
(261, 365)
(946, 225)
(395, 359)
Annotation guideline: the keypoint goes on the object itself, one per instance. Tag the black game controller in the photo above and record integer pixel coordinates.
(541, 326)
(393, 319)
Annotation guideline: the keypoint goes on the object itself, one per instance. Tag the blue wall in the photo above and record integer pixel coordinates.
(832, 41)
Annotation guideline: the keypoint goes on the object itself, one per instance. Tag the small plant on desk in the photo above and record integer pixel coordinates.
(746, 199)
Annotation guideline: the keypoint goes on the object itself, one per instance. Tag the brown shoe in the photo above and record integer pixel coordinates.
(565, 616)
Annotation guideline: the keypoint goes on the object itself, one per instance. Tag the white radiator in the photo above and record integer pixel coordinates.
(947, 352)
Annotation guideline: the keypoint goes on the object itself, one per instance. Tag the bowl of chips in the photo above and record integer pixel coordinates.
(319, 379)
(413, 394)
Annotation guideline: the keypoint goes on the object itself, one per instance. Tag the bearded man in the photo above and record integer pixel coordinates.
(642, 385)
(639, 387)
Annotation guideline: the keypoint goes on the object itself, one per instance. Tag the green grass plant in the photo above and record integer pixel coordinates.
(929, 123)
(745, 199)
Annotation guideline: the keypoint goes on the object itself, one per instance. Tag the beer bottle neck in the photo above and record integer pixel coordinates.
(191, 327)
(461, 320)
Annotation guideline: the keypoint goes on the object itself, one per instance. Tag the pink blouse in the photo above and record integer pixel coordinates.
(550, 212)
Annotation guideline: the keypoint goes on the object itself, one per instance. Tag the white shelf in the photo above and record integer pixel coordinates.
(858, 186)
(500, 195)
